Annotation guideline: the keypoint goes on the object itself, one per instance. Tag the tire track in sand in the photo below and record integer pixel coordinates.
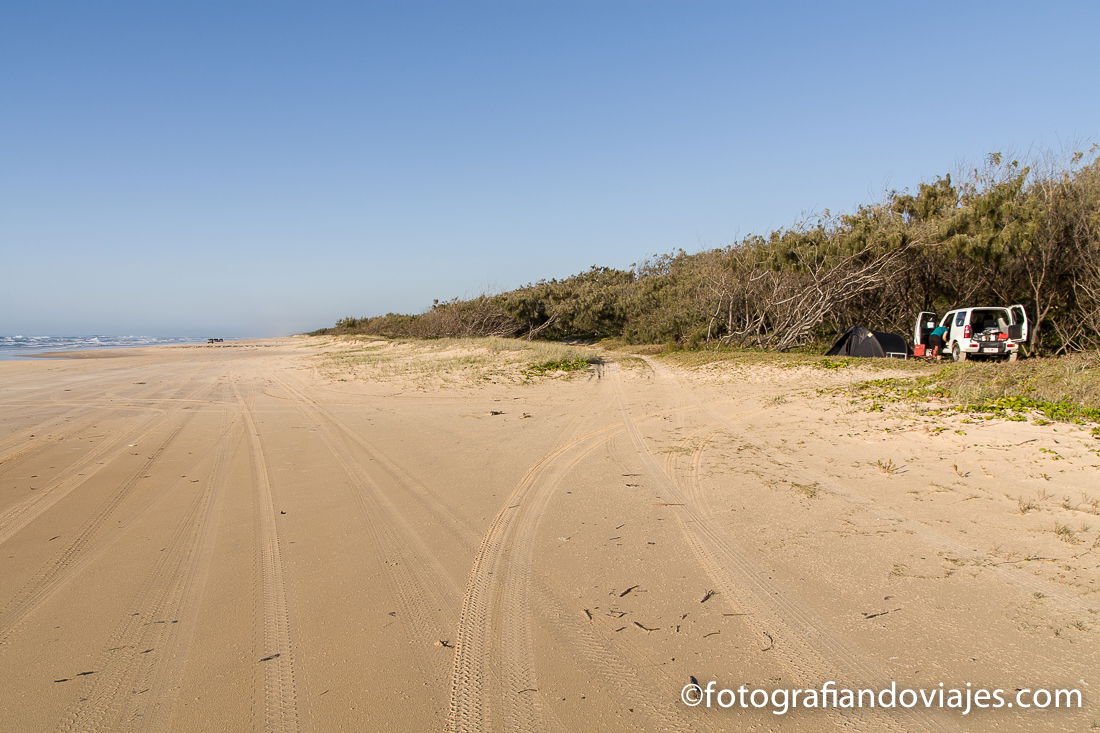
(419, 582)
(18, 516)
(133, 688)
(21, 442)
(279, 694)
(46, 433)
(492, 649)
(519, 586)
(393, 472)
(72, 559)
(24, 512)
(933, 536)
(800, 641)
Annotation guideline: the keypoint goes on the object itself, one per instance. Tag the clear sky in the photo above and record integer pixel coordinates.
(258, 168)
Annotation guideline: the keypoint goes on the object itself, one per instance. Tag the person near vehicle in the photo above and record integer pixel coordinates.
(935, 340)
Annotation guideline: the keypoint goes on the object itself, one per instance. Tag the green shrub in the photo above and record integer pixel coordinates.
(560, 365)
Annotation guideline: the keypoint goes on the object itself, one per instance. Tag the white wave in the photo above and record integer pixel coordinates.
(20, 345)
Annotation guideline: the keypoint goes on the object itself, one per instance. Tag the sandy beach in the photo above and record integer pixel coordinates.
(308, 534)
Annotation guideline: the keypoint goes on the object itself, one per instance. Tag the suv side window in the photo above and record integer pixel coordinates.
(960, 318)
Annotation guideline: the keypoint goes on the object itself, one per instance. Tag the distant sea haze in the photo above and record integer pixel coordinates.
(13, 347)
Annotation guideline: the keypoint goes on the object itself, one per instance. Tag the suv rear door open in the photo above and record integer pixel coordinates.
(1017, 330)
(926, 322)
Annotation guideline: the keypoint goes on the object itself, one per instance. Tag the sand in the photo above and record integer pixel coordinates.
(303, 534)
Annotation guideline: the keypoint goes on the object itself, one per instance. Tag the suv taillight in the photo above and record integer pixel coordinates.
(966, 331)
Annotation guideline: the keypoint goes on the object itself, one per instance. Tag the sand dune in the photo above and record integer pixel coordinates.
(306, 534)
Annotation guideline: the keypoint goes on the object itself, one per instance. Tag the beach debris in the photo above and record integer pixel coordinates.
(666, 503)
(619, 629)
(711, 634)
(628, 590)
(879, 613)
(708, 595)
(78, 674)
(646, 628)
(496, 412)
(276, 655)
(616, 613)
(527, 689)
(771, 642)
(588, 614)
(526, 414)
(444, 644)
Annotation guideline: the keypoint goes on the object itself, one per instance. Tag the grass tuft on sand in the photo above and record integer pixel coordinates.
(573, 364)
(787, 360)
(1065, 389)
(428, 363)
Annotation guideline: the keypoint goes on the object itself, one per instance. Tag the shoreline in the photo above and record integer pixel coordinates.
(98, 352)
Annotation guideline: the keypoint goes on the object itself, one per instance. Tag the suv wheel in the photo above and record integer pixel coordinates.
(958, 354)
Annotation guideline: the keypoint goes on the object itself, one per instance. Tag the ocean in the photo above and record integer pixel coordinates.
(17, 347)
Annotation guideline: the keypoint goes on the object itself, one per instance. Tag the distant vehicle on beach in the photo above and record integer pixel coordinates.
(214, 341)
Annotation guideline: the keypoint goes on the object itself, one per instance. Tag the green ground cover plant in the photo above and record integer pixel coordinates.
(1063, 389)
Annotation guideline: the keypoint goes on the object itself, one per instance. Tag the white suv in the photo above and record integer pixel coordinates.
(990, 332)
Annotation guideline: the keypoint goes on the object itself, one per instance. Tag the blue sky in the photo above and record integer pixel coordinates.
(257, 168)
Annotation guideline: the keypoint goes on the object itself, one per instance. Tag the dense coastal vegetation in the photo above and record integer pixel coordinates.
(1007, 233)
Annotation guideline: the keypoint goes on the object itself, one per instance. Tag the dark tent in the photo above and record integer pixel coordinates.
(858, 341)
